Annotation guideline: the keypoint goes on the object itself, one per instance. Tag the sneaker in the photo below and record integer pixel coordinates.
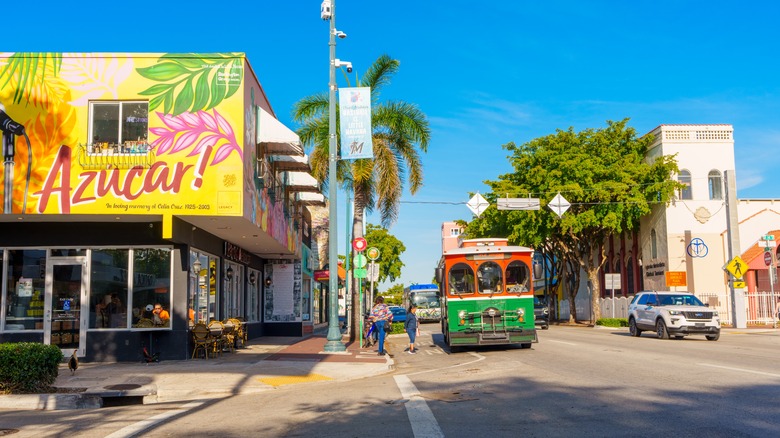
(380, 354)
(412, 352)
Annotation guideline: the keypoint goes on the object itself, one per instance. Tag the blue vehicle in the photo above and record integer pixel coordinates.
(399, 313)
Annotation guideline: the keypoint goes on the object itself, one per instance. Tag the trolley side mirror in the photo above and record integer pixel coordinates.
(439, 274)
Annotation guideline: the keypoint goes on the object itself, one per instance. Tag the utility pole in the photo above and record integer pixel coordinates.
(738, 305)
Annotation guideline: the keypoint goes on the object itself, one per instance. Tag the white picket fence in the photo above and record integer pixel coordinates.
(760, 307)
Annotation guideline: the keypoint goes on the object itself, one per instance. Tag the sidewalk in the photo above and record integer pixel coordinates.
(264, 364)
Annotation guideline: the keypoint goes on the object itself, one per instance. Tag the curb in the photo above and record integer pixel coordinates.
(51, 402)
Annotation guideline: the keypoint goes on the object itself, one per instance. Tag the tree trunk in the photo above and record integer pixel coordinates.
(569, 291)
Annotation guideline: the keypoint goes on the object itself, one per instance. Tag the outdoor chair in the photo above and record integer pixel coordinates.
(240, 331)
(216, 329)
(202, 339)
(229, 335)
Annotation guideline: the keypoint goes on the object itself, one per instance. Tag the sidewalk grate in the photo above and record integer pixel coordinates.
(292, 380)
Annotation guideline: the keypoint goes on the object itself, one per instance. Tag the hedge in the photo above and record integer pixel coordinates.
(28, 367)
(613, 322)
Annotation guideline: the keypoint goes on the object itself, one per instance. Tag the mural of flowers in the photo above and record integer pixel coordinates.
(191, 83)
(94, 78)
(196, 131)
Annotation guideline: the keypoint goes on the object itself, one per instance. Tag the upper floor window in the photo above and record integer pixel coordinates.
(715, 184)
(685, 178)
(116, 122)
(454, 232)
(653, 244)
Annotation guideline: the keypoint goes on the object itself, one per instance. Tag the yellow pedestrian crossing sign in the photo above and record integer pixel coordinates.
(739, 284)
(737, 267)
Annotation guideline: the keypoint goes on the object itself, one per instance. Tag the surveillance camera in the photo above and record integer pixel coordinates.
(341, 34)
(326, 10)
(347, 64)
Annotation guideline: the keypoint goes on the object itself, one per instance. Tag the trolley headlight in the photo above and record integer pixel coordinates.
(462, 317)
(491, 312)
(521, 314)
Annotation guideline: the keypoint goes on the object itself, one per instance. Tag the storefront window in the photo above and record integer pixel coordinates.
(203, 287)
(108, 290)
(233, 304)
(24, 289)
(151, 286)
(253, 296)
(118, 123)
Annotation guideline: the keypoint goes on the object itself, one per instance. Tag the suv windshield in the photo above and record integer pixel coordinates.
(679, 300)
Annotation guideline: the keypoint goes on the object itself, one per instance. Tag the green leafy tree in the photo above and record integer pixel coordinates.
(390, 250)
(607, 176)
(400, 131)
(394, 295)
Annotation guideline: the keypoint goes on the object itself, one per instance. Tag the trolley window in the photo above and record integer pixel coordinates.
(517, 277)
(461, 279)
(491, 278)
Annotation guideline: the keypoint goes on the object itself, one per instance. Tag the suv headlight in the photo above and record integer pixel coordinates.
(545, 311)
(675, 312)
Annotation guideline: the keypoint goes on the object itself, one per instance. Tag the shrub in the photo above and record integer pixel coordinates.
(613, 322)
(28, 367)
(397, 328)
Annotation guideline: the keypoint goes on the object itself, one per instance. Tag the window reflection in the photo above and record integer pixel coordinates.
(461, 279)
(490, 279)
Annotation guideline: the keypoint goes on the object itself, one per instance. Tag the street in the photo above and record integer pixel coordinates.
(577, 381)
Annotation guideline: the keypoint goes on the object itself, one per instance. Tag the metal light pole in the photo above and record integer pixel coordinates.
(334, 343)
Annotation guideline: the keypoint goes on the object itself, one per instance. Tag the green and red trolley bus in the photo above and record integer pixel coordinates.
(487, 294)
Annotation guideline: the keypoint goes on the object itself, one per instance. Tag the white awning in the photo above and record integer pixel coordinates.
(300, 182)
(289, 162)
(277, 138)
(308, 198)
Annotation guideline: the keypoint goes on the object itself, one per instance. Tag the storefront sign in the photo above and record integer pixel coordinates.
(236, 254)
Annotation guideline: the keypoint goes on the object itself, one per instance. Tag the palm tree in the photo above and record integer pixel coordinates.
(400, 132)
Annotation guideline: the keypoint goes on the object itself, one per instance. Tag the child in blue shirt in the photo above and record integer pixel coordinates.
(412, 329)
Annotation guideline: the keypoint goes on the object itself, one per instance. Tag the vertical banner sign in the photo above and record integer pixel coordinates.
(355, 115)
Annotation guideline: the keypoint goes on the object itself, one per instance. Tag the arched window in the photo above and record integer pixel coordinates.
(461, 279)
(653, 244)
(715, 184)
(517, 276)
(490, 279)
(630, 277)
(685, 178)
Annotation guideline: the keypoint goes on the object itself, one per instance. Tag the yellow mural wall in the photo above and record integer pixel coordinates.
(183, 155)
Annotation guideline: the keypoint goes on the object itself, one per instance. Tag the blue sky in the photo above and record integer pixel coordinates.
(485, 73)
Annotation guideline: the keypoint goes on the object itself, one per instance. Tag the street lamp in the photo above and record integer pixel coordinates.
(334, 344)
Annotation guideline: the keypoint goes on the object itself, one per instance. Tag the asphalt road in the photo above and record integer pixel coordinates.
(576, 382)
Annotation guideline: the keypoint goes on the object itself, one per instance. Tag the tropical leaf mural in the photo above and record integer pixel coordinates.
(94, 78)
(195, 132)
(191, 83)
(26, 74)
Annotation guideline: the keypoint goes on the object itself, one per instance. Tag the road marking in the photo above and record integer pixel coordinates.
(478, 356)
(424, 424)
(560, 342)
(741, 370)
(137, 428)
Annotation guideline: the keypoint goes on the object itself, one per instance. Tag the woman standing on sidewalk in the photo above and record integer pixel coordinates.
(381, 315)
(412, 329)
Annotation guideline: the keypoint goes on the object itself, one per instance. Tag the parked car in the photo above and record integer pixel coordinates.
(399, 313)
(541, 312)
(677, 314)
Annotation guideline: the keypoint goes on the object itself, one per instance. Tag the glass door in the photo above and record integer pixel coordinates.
(65, 323)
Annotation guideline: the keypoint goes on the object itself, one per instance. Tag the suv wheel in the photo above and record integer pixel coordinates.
(632, 328)
(660, 329)
(714, 337)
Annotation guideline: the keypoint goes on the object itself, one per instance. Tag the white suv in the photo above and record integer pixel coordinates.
(672, 313)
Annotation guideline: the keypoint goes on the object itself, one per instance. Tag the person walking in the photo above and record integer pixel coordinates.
(411, 326)
(382, 317)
